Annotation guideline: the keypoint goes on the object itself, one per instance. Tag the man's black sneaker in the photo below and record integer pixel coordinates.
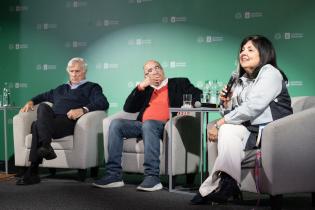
(28, 180)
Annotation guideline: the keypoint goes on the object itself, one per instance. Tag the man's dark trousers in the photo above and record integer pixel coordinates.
(48, 126)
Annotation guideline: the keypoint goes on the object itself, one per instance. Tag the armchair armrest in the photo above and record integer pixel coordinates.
(22, 123)
(288, 153)
(88, 127)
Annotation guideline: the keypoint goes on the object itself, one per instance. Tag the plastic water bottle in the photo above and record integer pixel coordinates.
(205, 93)
(214, 92)
(6, 95)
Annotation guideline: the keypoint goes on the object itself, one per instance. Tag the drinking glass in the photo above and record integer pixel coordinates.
(187, 101)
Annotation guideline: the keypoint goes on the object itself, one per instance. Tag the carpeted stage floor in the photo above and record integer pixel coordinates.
(64, 192)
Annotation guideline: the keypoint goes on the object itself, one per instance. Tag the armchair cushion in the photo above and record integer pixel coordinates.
(65, 143)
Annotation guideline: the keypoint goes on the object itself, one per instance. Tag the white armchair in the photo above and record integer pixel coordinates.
(78, 151)
(185, 147)
(287, 155)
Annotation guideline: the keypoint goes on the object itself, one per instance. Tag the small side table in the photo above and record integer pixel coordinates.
(204, 113)
(5, 109)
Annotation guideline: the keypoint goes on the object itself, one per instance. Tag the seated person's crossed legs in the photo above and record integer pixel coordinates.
(44, 129)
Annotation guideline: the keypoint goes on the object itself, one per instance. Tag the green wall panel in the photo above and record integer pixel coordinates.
(198, 39)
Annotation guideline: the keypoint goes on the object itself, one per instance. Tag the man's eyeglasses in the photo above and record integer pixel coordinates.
(155, 68)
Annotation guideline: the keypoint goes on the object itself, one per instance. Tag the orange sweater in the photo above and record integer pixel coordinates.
(158, 106)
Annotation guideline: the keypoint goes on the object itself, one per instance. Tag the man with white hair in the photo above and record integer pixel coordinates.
(70, 101)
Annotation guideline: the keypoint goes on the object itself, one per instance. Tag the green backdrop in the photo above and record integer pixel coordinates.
(198, 39)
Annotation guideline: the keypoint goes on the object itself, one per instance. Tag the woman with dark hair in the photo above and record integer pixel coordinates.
(258, 97)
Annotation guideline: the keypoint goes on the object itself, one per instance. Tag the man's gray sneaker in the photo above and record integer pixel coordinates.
(109, 182)
(150, 184)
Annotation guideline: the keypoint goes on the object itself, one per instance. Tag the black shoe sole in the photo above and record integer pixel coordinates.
(28, 181)
(222, 199)
(45, 153)
(199, 200)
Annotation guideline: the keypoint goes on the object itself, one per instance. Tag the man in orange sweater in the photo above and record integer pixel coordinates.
(152, 99)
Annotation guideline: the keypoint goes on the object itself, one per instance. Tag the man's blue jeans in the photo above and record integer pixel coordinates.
(151, 131)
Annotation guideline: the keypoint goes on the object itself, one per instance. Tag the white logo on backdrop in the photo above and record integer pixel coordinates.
(138, 1)
(46, 26)
(288, 36)
(139, 42)
(18, 46)
(296, 83)
(277, 36)
(209, 39)
(76, 44)
(76, 4)
(238, 15)
(106, 23)
(46, 67)
(20, 85)
(174, 64)
(107, 66)
(174, 19)
(18, 8)
(248, 15)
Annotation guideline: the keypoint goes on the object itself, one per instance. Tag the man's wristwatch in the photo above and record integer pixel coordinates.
(217, 126)
(84, 110)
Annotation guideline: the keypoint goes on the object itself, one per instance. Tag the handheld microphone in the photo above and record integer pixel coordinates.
(229, 86)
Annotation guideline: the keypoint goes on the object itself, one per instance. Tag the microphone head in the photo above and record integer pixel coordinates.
(234, 75)
(197, 104)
